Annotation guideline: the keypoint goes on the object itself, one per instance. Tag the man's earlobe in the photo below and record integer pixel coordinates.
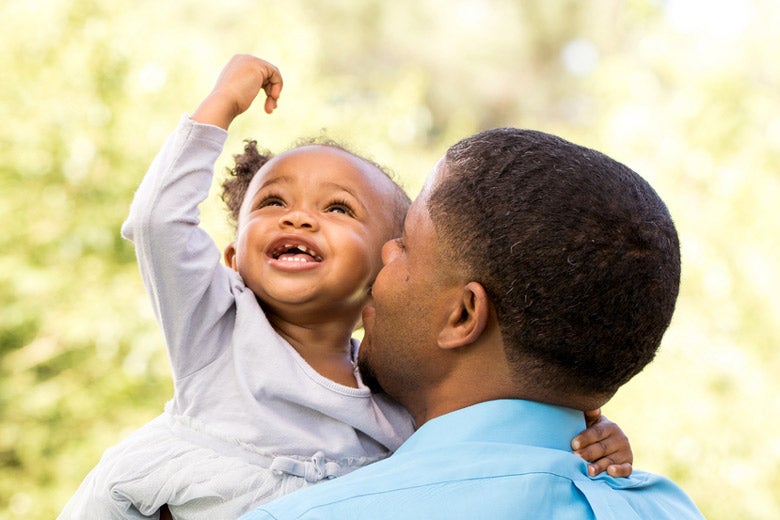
(467, 319)
(229, 256)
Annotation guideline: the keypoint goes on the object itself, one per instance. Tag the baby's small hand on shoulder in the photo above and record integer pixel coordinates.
(604, 445)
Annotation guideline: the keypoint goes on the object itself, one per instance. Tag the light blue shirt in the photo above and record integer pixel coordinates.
(498, 459)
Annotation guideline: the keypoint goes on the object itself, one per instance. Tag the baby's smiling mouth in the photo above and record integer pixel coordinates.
(292, 252)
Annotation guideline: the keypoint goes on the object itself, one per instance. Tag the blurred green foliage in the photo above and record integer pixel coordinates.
(684, 91)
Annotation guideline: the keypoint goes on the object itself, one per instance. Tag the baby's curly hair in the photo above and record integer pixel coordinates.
(247, 164)
(239, 176)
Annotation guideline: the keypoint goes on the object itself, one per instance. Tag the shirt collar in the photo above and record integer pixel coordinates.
(506, 420)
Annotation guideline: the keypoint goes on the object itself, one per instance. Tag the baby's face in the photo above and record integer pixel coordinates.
(311, 230)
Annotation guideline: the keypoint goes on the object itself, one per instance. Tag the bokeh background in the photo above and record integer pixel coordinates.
(684, 91)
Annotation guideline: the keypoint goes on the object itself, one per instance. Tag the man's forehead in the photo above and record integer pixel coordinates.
(416, 216)
(433, 178)
(419, 208)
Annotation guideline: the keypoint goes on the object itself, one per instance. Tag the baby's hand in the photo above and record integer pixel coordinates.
(238, 85)
(604, 445)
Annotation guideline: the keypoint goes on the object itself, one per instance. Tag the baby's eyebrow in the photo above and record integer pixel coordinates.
(275, 180)
(252, 197)
(347, 189)
(341, 187)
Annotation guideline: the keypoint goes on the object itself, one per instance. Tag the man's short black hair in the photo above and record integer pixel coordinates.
(578, 254)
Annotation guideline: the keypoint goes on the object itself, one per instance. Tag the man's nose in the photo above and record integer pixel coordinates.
(299, 218)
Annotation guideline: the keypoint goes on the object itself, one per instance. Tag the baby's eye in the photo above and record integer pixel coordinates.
(270, 201)
(340, 207)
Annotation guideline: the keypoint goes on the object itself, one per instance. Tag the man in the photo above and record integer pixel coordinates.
(534, 277)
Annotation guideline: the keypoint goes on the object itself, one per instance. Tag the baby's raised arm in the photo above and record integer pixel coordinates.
(237, 86)
(177, 258)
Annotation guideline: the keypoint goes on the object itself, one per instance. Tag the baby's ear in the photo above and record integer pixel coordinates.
(229, 256)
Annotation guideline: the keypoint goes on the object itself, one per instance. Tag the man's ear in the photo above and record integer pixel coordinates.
(467, 319)
(229, 256)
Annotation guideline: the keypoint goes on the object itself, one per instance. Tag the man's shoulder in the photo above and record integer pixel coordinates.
(648, 495)
(482, 480)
